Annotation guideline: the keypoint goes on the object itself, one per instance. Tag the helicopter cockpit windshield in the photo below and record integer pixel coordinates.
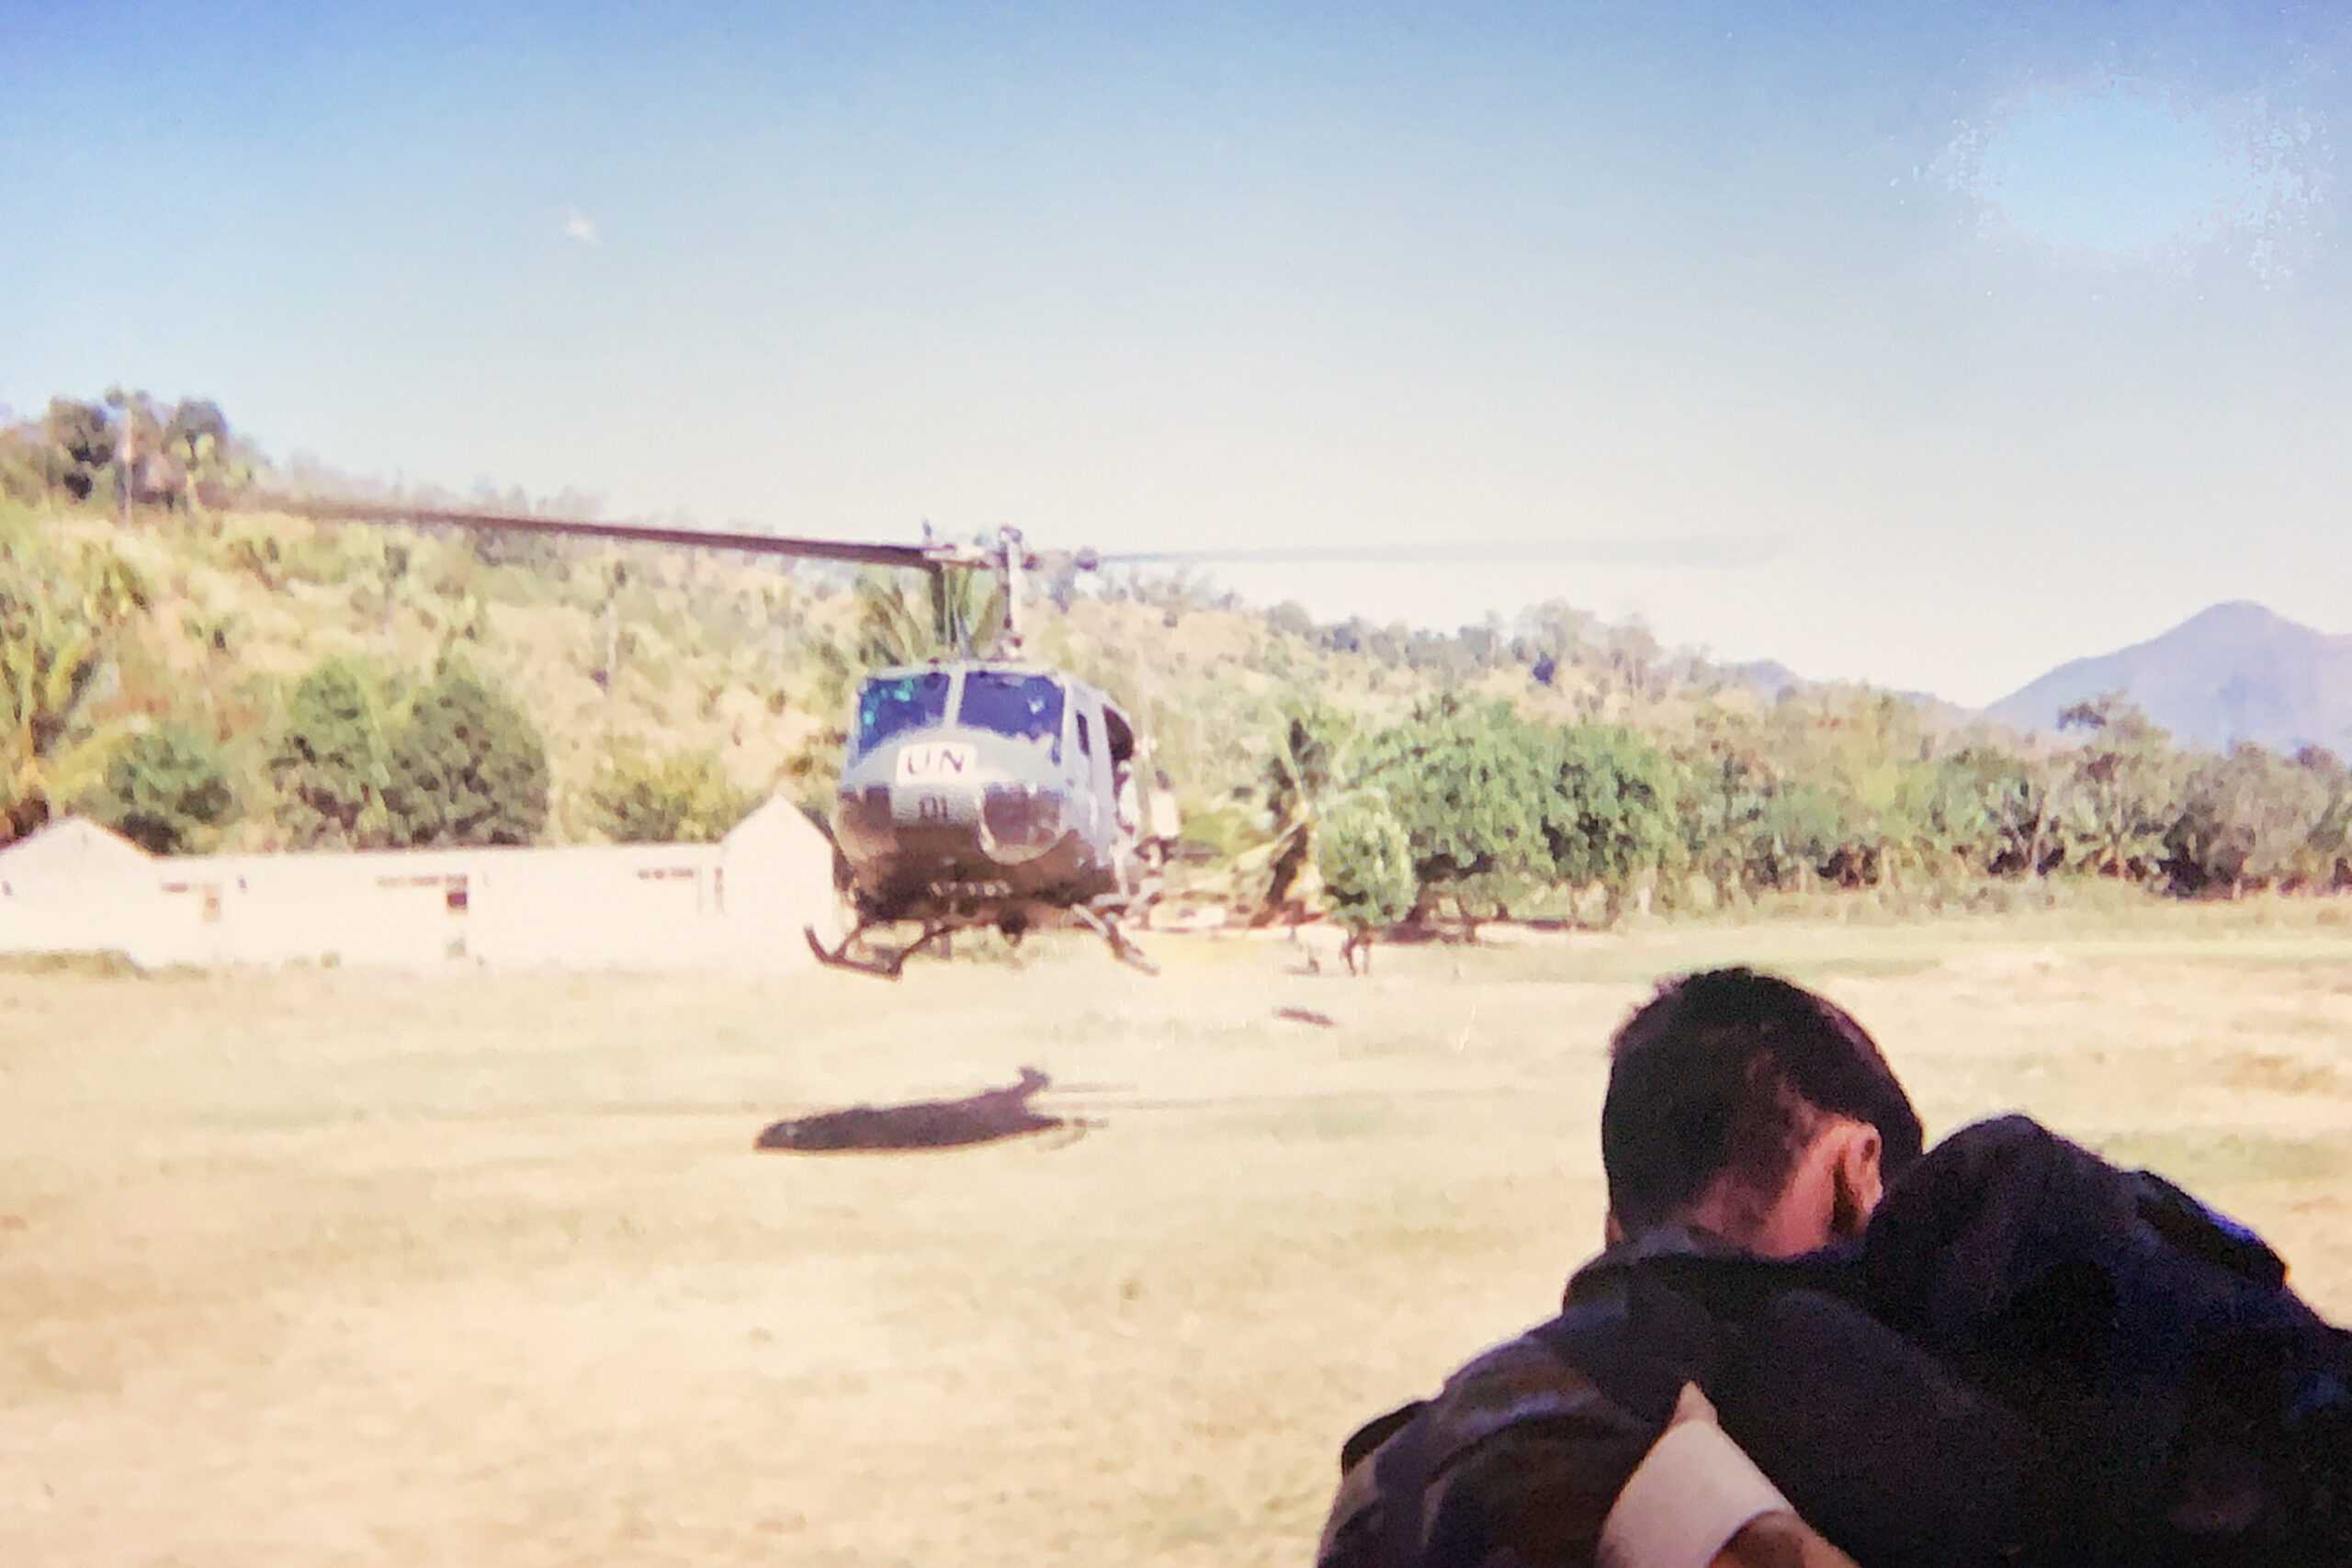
(889, 707)
(1024, 706)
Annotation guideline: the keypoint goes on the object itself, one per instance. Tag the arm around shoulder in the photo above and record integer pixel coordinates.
(1696, 1501)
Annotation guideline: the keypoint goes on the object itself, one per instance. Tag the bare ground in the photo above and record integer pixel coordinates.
(332, 1268)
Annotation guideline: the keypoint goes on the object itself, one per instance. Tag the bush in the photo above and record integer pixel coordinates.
(166, 790)
(1610, 816)
(1367, 862)
(255, 552)
(466, 766)
(330, 760)
(1471, 788)
(684, 797)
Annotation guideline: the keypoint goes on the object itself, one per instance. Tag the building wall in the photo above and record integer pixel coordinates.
(735, 905)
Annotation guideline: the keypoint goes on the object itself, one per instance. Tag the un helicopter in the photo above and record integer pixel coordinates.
(989, 791)
(984, 790)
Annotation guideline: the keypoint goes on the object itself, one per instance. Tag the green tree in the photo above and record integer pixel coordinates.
(1367, 864)
(682, 797)
(1304, 774)
(2123, 782)
(165, 789)
(199, 432)
(1752, 817)
(1291, 618)
(23, 465)
(465, 766)
(147, 468)
(330, 758)
(82, 444)
(2020, 802)
(1723, 787)
(2244, 818)
(1866, 753)
(2325, 861)
(1952, 820)
(1472, 790)
(1800, 828)
(1555, 634)
(61, 616)
(1610, 817)
(900, 622)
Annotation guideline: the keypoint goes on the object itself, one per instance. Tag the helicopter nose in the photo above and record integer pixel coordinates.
(1019, 816)
(862, 817)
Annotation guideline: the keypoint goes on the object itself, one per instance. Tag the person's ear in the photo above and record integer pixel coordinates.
(1857, 1184)
(1611, 1233)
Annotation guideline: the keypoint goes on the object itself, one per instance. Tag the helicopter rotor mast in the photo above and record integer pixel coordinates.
(1013, 560)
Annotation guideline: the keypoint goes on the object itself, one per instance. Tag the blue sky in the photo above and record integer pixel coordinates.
(2018, 331)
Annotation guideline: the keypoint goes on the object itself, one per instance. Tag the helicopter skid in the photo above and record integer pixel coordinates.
(1106, 926)
(884, 968)
(1101, 918)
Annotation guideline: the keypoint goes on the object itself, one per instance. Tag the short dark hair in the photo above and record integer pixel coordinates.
(1727, 1071)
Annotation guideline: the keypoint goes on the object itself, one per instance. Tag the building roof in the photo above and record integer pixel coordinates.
(775, 819)
(73, 846)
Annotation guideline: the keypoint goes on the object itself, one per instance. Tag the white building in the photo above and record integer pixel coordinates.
(741, 903)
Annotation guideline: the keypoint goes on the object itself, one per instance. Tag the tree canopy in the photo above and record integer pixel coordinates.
(1549, 758)
(465, 766)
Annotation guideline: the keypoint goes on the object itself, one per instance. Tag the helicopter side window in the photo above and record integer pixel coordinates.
(886, 708)
(1026, 708)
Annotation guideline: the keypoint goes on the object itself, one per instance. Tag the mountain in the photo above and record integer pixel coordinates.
(1768, 678)
(2234, 672)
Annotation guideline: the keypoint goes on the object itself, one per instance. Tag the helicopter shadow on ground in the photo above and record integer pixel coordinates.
(989, 1116)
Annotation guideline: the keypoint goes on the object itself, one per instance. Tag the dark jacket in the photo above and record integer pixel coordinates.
(2033, 1357)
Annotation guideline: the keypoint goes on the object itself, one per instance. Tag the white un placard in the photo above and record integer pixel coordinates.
(935, 762)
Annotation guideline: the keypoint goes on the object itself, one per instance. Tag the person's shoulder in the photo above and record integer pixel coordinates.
(1519, 1443)
(1513, 1384)
(1515, 1380)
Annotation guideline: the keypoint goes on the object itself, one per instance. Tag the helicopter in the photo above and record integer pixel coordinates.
(988, 791)
(984, 791)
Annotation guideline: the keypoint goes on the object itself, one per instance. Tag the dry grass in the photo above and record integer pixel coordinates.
(327, 1267)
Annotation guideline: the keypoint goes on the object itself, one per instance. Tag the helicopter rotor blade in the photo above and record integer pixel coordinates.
(930, 556)
(934, 555)
(1689, 550)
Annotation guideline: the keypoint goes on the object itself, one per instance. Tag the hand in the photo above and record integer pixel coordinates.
(1774, 1540)
(1693, 1406)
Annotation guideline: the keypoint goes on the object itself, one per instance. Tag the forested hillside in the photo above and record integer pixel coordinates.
(200, 676)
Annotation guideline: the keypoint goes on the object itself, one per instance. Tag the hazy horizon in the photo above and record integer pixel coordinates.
(2021, 333)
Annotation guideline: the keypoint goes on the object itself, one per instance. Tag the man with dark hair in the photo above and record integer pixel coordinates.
(1746, 1117)
(1744, 1104)
(2023, 1355)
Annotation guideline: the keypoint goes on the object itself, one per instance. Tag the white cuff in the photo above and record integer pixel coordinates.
(1692, 1492)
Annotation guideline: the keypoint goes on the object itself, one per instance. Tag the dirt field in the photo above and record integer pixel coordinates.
(329, 1268)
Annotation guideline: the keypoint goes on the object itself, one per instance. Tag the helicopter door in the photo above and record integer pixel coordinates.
(1086, 755)
(1120, 786)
